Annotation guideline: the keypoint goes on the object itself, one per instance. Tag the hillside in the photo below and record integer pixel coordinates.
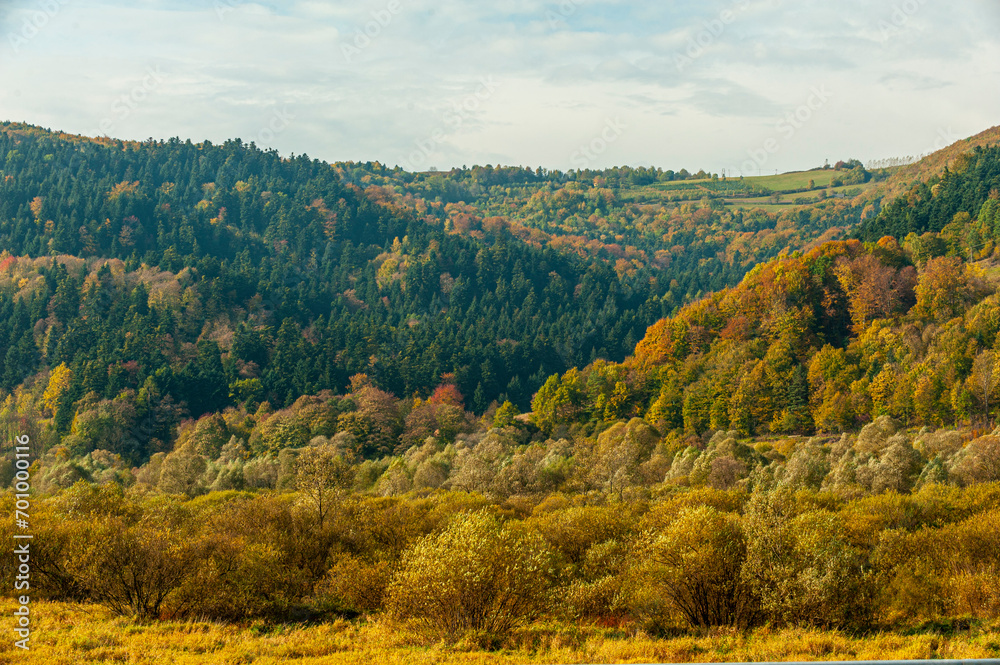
(180, 261)
(945, 203)
(151, 282)
(698, 232)
(829, 339)
(268, 391)
(203, 276)
(905, 177)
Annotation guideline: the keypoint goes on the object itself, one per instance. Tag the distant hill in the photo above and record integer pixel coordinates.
(905, 177)
(169, 278)
(225, 274)
(957, 181)
(831, 338)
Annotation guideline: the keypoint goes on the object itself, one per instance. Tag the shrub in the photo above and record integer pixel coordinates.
(695, 564)
(571, 532)
(355, 585)
(130, 568)
(897, 469)
(232, 579)
(942, 571)
(806, 468)
(978, 462)
(476, 575)
(600, 599)
(875, 435)
(804, 571)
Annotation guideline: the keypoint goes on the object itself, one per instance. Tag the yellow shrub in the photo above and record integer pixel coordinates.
(477, 575)
(355, 585)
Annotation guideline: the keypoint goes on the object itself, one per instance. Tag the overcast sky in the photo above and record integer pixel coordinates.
(740, 85)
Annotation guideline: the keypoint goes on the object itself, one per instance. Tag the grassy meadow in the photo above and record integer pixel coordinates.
(67, 634)
(796, 190)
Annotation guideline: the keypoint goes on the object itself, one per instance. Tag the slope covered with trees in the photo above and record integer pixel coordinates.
(954, 197)
(260, 388)
(218, 275)
(172, 279)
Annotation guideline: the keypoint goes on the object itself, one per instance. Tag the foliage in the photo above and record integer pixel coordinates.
(696, 564)
(272, 389)
(477, 574)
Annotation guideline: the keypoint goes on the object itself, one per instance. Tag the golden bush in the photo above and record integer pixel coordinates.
(477, 575)
(695, 564)
(355, 585)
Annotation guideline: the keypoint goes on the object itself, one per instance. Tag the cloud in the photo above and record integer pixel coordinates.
(701, 82)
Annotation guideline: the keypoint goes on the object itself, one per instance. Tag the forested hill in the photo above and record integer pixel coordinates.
(945, 201)
(159, 280)
(934, 165)
(224, 274)
(227, 275)
(904, 325)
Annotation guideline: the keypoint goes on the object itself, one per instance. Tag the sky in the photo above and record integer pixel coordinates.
(741, 86)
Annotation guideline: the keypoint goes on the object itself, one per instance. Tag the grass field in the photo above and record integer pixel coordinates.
(788, 201)
(680, 184)
(780, 183)
(65, 634)
(791, 181)
(788, 185)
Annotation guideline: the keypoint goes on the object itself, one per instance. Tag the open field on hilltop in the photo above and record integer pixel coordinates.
(782, 182)
(750, 192)
(67, 634)
(794, 180)
(681, 184)
(789, 201)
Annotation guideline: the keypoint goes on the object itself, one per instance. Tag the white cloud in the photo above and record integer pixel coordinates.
(699, 87)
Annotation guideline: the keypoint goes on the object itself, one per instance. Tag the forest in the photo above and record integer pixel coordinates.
(504, 408)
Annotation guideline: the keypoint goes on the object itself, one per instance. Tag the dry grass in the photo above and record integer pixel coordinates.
(66, 634)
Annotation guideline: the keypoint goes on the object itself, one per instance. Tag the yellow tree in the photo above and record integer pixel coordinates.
(944, 289)
(59, 381)
(927, 402)
(984, 378)
(479, 574)
(322, 475)
(36, 208)
(695, 563)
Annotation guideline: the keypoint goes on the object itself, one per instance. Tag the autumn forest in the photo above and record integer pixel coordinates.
(502, 408)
